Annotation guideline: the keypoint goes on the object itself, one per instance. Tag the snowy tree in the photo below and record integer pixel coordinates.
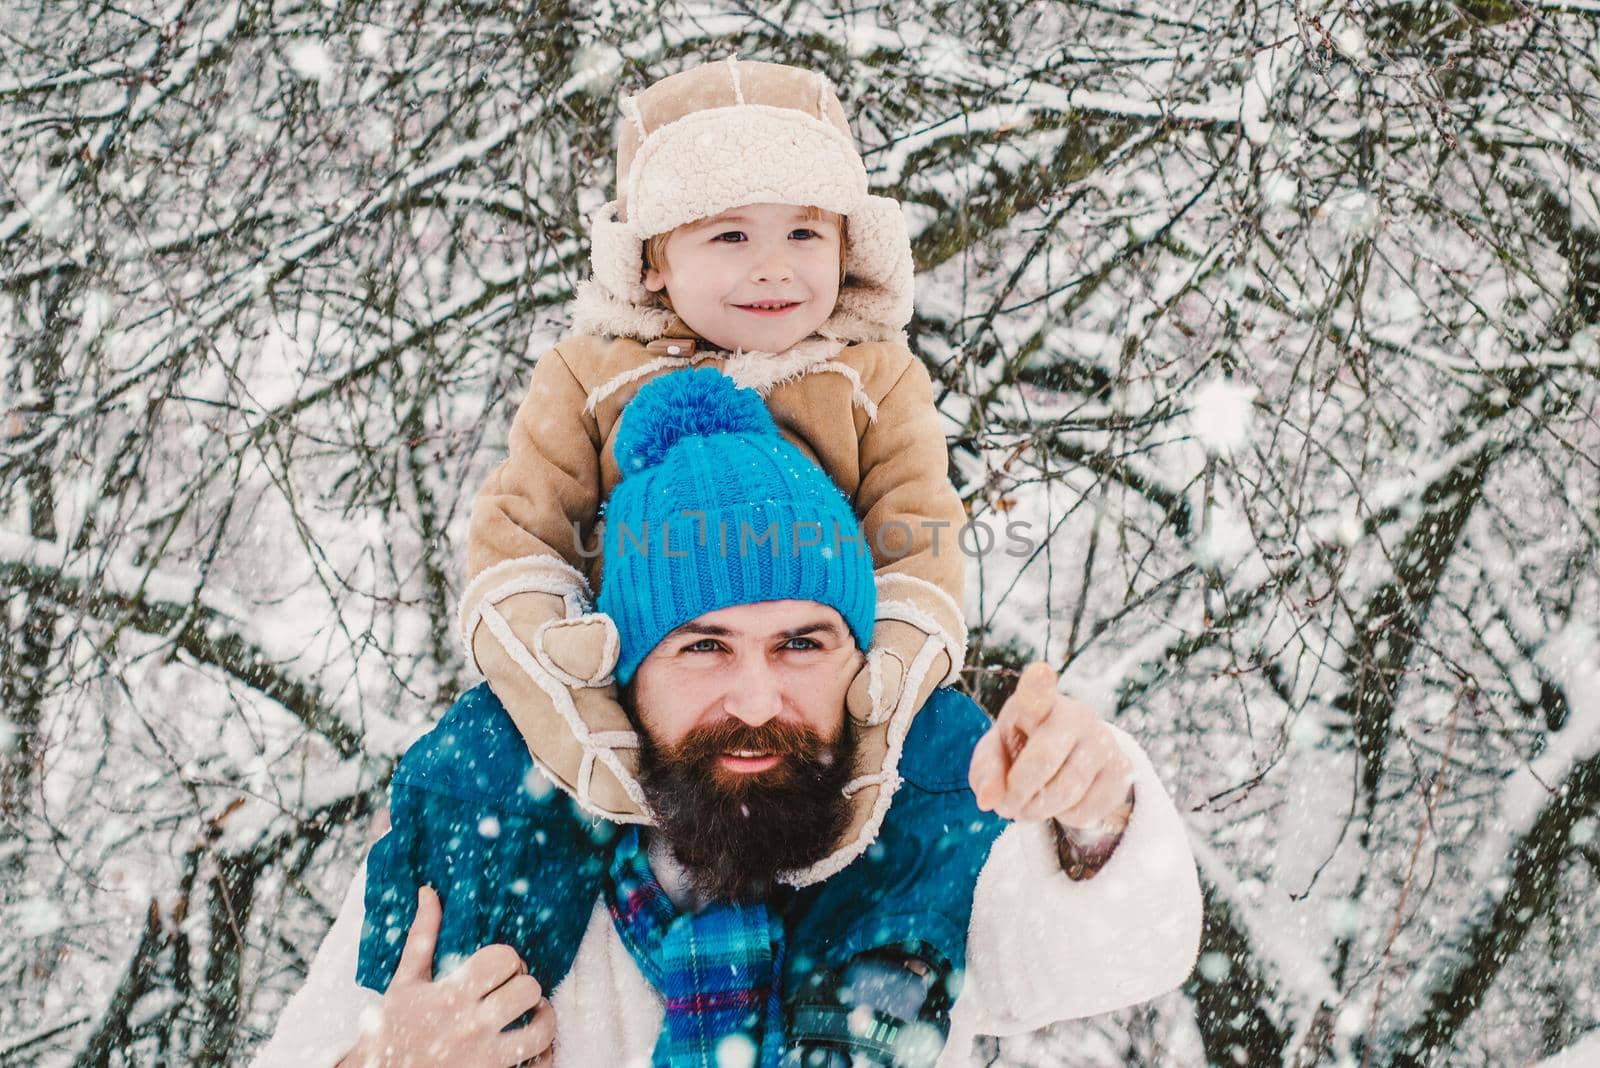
(1268, 338)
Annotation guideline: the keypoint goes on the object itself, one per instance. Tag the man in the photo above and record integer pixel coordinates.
(736, 929)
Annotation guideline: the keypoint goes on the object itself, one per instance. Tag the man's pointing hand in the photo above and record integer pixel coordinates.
(1050, 757)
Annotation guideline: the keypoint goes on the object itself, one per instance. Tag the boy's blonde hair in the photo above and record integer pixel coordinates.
(655, 246)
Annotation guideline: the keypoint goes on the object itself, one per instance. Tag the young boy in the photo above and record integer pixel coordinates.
(742, 238)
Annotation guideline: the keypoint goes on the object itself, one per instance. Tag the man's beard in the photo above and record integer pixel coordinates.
(733, 832)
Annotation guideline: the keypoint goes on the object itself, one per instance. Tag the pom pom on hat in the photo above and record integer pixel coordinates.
(685, 404)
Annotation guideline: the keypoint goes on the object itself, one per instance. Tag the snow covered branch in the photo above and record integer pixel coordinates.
(119, 596)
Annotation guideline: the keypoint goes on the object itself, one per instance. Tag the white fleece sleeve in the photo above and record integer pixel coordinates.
(1043, 948)
(322, 1022)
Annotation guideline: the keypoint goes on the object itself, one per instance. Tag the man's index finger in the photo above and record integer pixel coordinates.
(1034, 697)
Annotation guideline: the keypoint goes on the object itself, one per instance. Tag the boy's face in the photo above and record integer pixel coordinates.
(760, 277)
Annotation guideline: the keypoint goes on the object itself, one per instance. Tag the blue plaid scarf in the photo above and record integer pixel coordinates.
(718, 969)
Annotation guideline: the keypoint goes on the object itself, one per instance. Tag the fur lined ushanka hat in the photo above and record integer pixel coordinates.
(731, 133)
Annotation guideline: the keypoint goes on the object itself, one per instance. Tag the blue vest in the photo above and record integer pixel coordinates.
(516, 862)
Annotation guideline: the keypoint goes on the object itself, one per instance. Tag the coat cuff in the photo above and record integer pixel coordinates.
(525, 574)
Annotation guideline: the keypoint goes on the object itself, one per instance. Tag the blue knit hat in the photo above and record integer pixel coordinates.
(716, 509)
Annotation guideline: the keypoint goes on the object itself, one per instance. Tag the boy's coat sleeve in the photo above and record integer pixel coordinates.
(549, 483)
(905, 479)
(912, 519)
(526, 615)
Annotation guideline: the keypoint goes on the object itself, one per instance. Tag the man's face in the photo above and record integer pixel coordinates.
(758, 278)
(746, 746)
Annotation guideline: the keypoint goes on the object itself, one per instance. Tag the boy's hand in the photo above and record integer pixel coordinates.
(1050, 757)
(581, 651)
(883, 679)
(460, 1019)
(546, 652)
